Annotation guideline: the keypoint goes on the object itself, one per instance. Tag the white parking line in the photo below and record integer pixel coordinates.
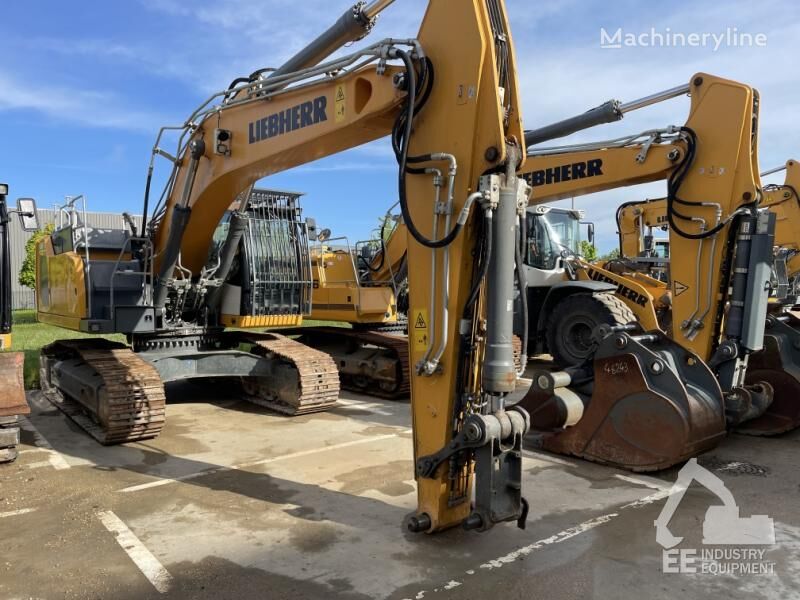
(13, 513)
(650, 482)
(264, 461)
(56, 460)
(561, 536)
(144, 559)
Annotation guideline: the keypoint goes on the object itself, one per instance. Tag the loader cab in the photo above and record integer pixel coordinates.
(552, 234)
(552, 242)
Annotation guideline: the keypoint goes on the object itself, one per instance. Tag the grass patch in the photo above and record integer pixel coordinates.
(29, 336)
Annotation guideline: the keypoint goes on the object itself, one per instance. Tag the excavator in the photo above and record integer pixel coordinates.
(12, 385)
(779, 362)
(448, 100)
(645, 398)
(364, 286)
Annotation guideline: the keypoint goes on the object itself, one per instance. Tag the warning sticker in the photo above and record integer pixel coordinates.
(419, 331)
(679, 287)
(339, 104)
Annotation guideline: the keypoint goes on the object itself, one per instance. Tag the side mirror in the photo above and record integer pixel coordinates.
(590, 232)
(324, 235)
(311, 228)
(26, 208)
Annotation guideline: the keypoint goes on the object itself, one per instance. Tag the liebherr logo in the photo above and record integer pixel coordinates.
(579, 170)
(293, 118)
(623, 291)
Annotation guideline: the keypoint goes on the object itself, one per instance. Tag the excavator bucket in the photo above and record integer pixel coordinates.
(652, 404)
(12, 403)
(778, 364)
(12, 385)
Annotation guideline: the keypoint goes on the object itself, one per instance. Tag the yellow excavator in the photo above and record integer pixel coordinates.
(646, 398)
(779, 362)
(447, 99)
(12, 385)
(365, 286)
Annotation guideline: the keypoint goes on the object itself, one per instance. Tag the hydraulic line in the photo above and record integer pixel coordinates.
(404, 159)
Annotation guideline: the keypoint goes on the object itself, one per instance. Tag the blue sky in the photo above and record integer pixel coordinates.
(86, 85)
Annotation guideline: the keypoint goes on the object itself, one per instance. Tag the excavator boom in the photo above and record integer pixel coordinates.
(631, 393)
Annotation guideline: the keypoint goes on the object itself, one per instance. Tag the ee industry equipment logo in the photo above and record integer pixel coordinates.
(732, 545)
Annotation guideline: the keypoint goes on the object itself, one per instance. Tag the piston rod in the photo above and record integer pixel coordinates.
(773, 170)
(608, 112)
(354, 24)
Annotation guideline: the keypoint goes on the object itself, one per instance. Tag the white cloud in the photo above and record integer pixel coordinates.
(82, 106)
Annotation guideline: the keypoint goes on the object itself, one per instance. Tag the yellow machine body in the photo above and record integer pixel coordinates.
(340, 296)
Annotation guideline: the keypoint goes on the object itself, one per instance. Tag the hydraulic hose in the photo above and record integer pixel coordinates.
(485, 262)
(403, 159)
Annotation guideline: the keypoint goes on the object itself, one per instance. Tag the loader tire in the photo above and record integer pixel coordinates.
(570, 325)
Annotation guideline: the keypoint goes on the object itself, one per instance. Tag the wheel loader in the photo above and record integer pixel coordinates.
(448, 101)
(12, 383)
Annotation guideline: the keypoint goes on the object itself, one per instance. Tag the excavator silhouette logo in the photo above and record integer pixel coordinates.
(722, 524)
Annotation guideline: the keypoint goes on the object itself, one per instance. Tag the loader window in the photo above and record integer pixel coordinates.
(548, 235)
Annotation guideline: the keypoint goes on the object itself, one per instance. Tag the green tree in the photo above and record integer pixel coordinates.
(588, 250)
(613, 255)
(27, 274)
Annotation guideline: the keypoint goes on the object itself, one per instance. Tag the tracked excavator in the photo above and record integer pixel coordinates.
(365, 286)
(12, 384)
(448, 99)
(647, 398)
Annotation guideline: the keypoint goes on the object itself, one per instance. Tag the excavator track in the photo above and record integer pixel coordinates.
(309, 384)
(130, 403)
(370, 361)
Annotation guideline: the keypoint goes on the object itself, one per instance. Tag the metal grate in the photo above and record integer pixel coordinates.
(277, 264)
(733, 467)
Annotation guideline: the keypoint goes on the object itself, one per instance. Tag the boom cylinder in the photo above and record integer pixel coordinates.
(238, 226)
(499, 372)
(608, 112)
(180, 218)
(354, 24)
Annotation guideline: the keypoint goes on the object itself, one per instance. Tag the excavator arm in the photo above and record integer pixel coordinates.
(710, 166)
(466, 124)
(634, 218)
